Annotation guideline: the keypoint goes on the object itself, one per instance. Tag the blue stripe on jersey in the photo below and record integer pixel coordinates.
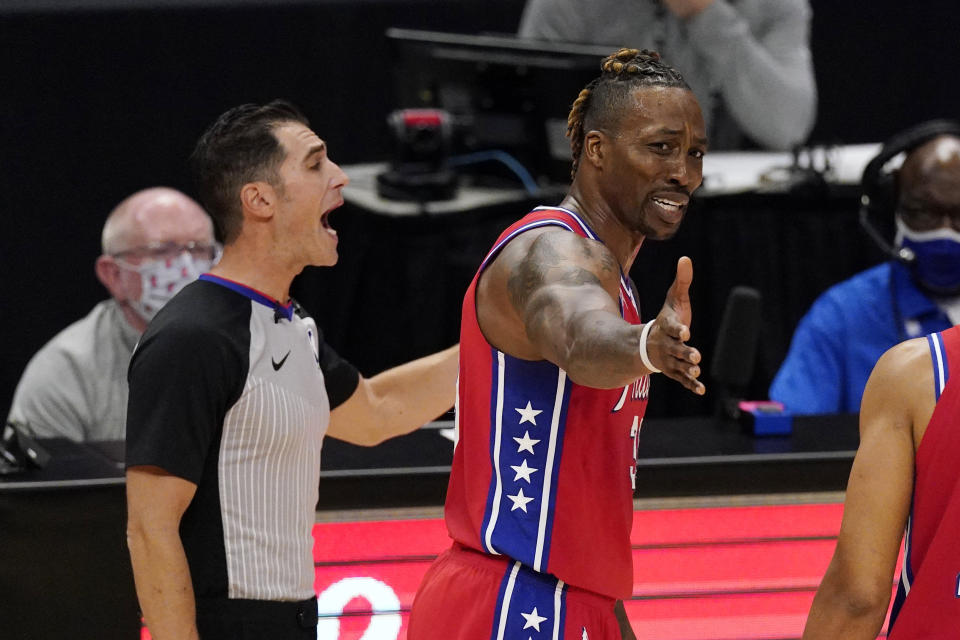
(906, 573)
(528, 416)
(576, 216)
(529, 604)
(253, 294)
(941, 368)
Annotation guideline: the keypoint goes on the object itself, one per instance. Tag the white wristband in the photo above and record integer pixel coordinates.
(643, 348)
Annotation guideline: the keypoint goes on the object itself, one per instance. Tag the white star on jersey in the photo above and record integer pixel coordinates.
(584, 636)
(523, 471)
(533, 619)
(526, 442)
(520, 502)
(528, 414)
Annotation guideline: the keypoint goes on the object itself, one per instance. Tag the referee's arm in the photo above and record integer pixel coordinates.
(156, 502)
(397, 401)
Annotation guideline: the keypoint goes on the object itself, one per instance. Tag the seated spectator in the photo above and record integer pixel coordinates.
(748, 62)
(849, 327)
(154, 242)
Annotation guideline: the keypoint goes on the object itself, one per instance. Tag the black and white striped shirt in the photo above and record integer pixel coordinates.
(232, 391)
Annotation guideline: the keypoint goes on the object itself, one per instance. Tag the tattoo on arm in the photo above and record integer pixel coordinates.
(604, 258)
(608, 263)
(532, 270)
(529, 272)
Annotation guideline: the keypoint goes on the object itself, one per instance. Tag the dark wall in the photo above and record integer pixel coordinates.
(883, 66)
(97, 104)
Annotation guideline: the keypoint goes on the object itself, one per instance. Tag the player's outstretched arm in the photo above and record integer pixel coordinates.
(398, 400)
(852, 600)
(553, 295)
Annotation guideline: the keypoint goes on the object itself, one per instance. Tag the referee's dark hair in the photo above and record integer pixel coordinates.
(600, 103)
(238, 148)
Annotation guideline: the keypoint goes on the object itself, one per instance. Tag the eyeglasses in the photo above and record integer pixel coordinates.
(172, 250)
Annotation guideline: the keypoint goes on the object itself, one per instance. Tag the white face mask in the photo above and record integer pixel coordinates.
(160, 280)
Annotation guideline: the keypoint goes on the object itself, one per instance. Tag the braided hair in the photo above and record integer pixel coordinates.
(605, 97)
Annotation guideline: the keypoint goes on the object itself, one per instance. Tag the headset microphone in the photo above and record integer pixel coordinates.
(880, 188)
(900, 254)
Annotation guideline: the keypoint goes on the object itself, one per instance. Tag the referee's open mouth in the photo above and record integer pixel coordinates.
(325, 216)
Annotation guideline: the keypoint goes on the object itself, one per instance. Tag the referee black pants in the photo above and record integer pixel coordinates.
(225, 619)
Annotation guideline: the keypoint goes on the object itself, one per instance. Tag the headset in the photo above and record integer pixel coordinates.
(879, 187)
(879, 195)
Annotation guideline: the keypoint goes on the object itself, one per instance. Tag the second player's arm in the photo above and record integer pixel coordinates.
(852, 600)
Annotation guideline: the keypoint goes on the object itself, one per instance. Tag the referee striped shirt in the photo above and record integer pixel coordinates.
(232, 391)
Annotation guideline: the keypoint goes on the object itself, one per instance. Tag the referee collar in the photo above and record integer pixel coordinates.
(280, 310)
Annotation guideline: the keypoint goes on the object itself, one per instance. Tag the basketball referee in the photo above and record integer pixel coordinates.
(232, 389)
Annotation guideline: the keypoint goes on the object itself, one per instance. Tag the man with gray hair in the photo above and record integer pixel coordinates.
(154, 242)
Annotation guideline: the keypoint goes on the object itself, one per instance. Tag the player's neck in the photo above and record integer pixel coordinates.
(623, 243)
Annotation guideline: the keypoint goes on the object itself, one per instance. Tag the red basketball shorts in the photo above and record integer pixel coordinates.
(468, 595)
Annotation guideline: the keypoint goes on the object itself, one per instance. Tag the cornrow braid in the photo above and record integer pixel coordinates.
(604, 98)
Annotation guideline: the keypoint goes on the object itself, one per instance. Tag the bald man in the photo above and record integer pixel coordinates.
(154, 242)
(853, 323)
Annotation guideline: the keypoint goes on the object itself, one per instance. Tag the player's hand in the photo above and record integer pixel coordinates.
(666, 342)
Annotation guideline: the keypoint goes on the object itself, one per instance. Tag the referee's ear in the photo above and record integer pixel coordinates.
(258, 200)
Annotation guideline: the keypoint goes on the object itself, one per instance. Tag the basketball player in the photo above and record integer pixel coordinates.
(554, 376)
(904, 476)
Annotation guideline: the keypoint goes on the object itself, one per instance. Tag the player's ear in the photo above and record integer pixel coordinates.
(594, 147)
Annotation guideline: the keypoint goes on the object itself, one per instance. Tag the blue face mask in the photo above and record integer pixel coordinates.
(937, 257)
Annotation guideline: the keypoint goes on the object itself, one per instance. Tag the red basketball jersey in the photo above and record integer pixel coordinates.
(543, 470)
(928, 597)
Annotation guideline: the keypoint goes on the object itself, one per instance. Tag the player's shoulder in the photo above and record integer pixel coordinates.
(904, 368)
(554, 245)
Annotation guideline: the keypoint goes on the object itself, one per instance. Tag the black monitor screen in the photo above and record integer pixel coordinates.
(504, 93)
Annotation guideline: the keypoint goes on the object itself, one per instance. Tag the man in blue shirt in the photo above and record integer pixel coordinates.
(849, 327)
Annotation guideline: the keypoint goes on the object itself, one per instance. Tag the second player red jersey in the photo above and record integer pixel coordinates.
(543, 471)
(928, 596)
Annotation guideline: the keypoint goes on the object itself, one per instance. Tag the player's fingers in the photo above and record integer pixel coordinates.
(682, 352)
(681, 282)
(671, 326)
(687, 375)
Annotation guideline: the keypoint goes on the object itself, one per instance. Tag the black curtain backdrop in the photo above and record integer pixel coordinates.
(397, 291)
(99, 103)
